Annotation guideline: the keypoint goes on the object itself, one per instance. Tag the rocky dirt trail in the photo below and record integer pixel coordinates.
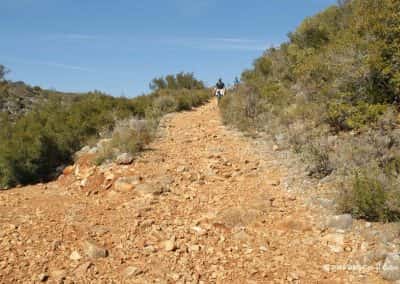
(201, 205)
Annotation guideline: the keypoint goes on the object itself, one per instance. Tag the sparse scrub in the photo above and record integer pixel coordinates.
(332, 92)
(347, 117)
(318, 156)
(372, 197)
(129, 136)
(34, 145)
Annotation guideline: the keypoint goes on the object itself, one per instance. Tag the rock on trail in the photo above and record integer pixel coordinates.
(202, 206)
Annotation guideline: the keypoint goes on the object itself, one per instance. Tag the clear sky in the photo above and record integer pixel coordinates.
(118, 46)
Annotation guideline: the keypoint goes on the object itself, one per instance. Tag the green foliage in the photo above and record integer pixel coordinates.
(129, 136)
(35, 144)
(382, 30)
(332, 93)
(369, 198)
(318, 156)
(348, 50)
(343, 116)
(263, 66)
(176, 82)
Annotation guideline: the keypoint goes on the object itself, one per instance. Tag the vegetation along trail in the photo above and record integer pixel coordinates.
(200, 205)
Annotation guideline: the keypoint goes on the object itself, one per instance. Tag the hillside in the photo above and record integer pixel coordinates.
(34, 147)
(203, 205)
(293, 176)
(331, 94)
(18, 98)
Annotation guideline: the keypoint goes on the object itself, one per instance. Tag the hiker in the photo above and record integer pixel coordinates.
(219, 89)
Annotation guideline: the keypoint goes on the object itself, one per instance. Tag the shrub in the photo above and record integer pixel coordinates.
(165, 104)
(184, 102)
(342, 116)
(369, 198)
(129, 136)
(234, 110)
(177, 82)
(332, 92)
(34, 145)
(318, 156)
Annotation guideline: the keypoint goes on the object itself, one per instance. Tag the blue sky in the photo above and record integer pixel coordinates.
(119, 46)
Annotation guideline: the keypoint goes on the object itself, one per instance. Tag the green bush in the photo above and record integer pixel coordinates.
(34, 145)
(165, 104)
(332, 93)
(236, 110)
(369, 198)
(318, 157)
(179, 81)
(343, 116)
(184, 102)
(129, 136)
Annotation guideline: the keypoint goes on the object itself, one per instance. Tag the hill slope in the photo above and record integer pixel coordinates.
(202, 204)
(18, 98)
(331, 94)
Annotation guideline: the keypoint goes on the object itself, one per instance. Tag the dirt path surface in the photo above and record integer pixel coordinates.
(200, 206)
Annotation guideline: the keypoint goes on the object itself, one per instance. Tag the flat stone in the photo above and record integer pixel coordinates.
(391, 267)
(335, 238)
(170, 245)
(325, 203)
(94, 251)
(165, 181)
(200, 231)
(150, 189)
(75, 256)
(341, 222)
(131, 271)
(126, 183)
(194, 248)
(181, 169)
(124, 159)
(68, 170)
(100, 230)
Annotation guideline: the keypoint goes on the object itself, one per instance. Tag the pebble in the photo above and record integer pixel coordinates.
(43, 277)
(94, 251)
(131, 271)
(124, 159)
(75, 256)
(170, 245)
(194, 248)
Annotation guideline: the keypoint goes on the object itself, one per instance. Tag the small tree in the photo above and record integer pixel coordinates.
(158, 84)
(179, 81)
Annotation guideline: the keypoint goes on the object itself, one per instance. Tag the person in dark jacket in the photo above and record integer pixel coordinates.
(220, 85)
(219, 89)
